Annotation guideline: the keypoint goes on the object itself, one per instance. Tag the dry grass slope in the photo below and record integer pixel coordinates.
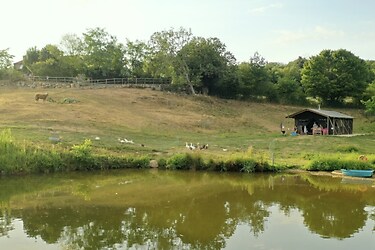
(136, 109)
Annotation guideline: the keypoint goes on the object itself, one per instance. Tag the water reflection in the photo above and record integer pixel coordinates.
(181, 210)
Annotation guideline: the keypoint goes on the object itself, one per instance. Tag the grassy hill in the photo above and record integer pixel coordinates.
(163, 122)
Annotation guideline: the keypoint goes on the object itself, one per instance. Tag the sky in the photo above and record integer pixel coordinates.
(279, 30)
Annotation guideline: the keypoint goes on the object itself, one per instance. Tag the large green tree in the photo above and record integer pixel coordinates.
(5, 59)
(369, 99)
(48, 62)
(288, 85)
(195, 62)
(102, 54)
(207, 62)
(51, 61)
(136, 54)
(71, 45)
(254, 78)
(6, 70)
(334, 75)
(164, 59)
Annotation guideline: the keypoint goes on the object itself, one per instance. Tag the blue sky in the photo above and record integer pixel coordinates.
(280, 30)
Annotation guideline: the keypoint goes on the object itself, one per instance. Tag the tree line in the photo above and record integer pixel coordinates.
(204, 65)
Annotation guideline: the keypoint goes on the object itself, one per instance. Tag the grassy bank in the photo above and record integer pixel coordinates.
(89, 122)
(16, 158)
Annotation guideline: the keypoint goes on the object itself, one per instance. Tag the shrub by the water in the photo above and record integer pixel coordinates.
(240, 165)
(234, 163)
(180, 161)
(18, 158)
(330, 164)
(138, 162)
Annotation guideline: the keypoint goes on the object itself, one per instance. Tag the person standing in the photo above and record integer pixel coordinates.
(282, 128)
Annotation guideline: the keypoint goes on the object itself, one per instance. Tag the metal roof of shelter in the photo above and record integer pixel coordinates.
(326, 113)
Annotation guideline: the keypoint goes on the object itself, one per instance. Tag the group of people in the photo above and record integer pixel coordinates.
(319, 130)
(316, 129)
(283, 132)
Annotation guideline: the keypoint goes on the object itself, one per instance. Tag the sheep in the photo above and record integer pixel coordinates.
(41, 96)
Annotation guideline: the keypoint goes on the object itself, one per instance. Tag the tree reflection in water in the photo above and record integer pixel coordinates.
(182, 210)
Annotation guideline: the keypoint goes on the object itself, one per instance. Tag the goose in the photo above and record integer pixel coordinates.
(97, 138)
(201, 147)
(192, 147)
(187, 146)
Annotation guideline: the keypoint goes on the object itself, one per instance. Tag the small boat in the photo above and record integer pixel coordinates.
(357, 173)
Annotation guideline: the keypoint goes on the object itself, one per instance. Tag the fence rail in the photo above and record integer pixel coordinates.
(131, 81)
(147, 81)
(54, 79)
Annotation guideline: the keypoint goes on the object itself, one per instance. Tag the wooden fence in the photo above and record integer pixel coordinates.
(145, 81)
(141, 81)
(53, 79)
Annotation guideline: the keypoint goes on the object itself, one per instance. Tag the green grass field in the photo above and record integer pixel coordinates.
(159, 123)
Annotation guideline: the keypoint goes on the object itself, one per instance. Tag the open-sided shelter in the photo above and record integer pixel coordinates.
(328, 122)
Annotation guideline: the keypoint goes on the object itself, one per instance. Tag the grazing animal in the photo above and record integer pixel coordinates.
(41, 96)
(362, 158)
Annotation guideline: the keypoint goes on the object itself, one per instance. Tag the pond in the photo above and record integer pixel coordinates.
(154, 209)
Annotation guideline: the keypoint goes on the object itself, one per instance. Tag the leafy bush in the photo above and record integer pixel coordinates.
(43, 161)
(162, 163)
(139, 162)
(179, 161)
(330, 164)
(82, 158)
(240, 164)
(186, 161)
(82, 150)
(347, 149)
(370, 106)
(69, 101)
(11, 75)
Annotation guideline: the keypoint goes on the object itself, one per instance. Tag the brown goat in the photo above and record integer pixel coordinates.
(41, 96)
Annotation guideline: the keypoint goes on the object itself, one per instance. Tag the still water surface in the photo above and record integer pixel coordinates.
(150, 209)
